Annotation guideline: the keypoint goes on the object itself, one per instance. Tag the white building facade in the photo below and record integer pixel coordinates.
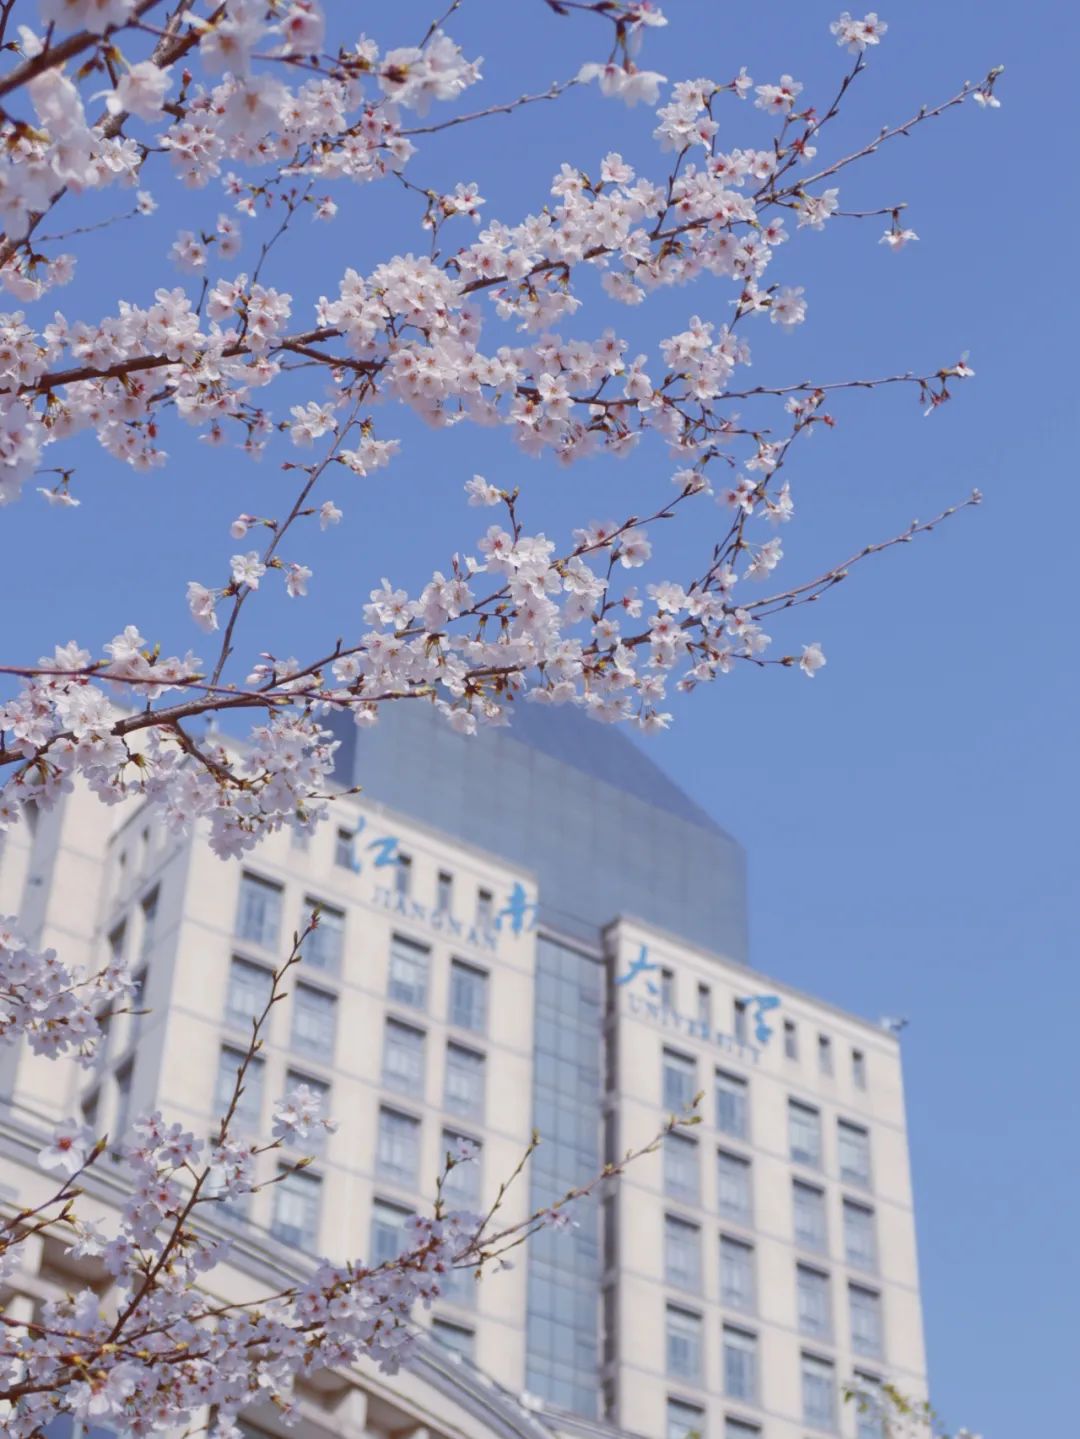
(465, 985)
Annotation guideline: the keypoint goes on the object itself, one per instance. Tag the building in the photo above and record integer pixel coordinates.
(531, 928)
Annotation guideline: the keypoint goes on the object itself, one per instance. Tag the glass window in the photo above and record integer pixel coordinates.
(736, 1274)
(403, 874)
(740, 1364)
(408, 972)
(313, 1022)
(116, 944)
(462, 1186)
(138, 1006)
(325, 944)
(733, 1186)
(818, 1392)
(250, 986)
(343, 850)
(824, 1052)
(296, 1209)
(259, 918)
(299, 838)
(740, 1429)
(485, 902)
(804, 1134)
(468, 996)
(860, 1247)
(865, 1320)
(869, 1407)
(123, 1102)
(681, 1167)
(667, 988)
(315, 1143)
(815, 1319)
(791, 1039)
(444, 892)
(741, 1031)
(387, 1231)
(704, 1006)
(854, 1154)
(403, 1058)
(248, 1113)
(809, 1207)
(398, 1155)
(149, 923)
(464, 1081)
(684, 1421)
(680, 1082)
(858, 1069)
(683, 1330)
(682, 1252)
(732, 1106)
(454, 1336)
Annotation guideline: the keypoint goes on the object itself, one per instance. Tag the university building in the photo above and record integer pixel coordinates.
(534, 928)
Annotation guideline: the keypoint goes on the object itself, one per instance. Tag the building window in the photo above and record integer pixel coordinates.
(865, 1320)
(683, 1330)
(403, 874)
(149, 923)
(732, 1107)
(740, 1364)
(387, 1231)
(824, 1054)
(123, 1101)
(791, 1039)
(815, 1320)
(804, 1134)
(259, 919)
(740, 1429)
(736, 1274)
(343, 850)
(680, 1082)
(854, 1154)
(408, 972)
(314, 1021)
(809, 1208)
(681, 1168)
(869, 1407)
(667, 988)
(741, 1032)
(315, 1143)
(138, 1006)
(398, 1153)
(444, 894)
(454, 1336)
(733, 1187)
(295, 1220)
(860, 1247)
(458, 1286)
(248, 1112)
(464, 1092)
(468, 996)
(858, 1069)
(403, 1058)
(117, 941)
(462, 1185)
(704, 1007)
(685, 1421)
(818, 1392)
(325, 944)
(682, 1252)
(299, 838)
(485, 904)
(250, 987)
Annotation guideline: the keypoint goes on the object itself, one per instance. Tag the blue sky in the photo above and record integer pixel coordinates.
(909, 814)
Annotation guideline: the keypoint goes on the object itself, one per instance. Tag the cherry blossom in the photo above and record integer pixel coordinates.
(525, 324)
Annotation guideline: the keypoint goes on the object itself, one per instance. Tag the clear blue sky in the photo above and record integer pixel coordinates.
(909, 815)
